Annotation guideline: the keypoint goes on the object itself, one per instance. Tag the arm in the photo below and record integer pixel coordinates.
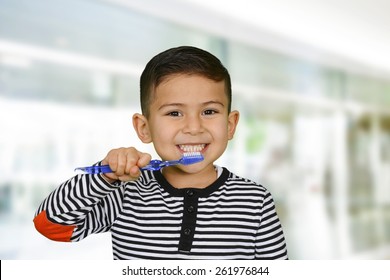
(83, 205)
(88, 204)
(270, 241)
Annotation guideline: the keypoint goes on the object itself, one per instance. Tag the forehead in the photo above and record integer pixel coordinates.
(186, 87)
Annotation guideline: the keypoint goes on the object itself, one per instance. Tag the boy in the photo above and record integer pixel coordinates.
(198, 211)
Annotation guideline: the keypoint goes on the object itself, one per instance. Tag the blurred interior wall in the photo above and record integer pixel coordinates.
(317, 137)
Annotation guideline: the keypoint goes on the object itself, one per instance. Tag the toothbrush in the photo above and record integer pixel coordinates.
(155, 164)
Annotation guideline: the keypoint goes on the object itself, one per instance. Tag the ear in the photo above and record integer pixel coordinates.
(141, 126)
(233, 118)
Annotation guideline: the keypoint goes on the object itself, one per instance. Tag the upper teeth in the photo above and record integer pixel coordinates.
(192, 148)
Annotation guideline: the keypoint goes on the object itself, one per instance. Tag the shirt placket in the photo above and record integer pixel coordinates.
(190, 211)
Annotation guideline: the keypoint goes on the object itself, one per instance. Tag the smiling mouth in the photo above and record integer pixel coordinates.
(198, 148)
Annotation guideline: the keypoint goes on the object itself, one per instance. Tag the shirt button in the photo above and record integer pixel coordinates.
(187, 231)
(190, 192)
(190, 209)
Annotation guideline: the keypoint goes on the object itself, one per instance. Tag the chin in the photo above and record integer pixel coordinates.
(194, 169)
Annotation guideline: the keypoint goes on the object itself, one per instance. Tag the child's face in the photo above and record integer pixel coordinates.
(189, 113)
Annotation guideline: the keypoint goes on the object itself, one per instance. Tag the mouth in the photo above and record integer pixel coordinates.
(192, 148)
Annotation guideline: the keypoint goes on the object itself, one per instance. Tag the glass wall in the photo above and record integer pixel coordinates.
(317, 137)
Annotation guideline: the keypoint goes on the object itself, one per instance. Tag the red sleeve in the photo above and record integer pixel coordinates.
(52, 230)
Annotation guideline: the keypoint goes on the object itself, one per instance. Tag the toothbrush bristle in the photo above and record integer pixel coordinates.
(191, 157)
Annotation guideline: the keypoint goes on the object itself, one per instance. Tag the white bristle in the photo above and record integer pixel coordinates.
(192, 154)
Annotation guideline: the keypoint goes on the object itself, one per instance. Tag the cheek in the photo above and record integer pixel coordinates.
(220, 130)
(161, 133)
(157, 134)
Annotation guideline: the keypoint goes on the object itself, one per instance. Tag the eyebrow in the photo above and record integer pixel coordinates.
(182, 104)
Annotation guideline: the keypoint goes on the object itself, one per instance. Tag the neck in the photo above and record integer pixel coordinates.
(181, 179)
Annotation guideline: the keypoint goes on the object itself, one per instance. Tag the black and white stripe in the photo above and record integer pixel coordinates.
(233, 218)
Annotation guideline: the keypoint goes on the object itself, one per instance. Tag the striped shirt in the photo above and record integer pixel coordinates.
(233, 218)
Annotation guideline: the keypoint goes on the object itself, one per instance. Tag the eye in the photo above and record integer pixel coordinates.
(210, 112)
(174, 114)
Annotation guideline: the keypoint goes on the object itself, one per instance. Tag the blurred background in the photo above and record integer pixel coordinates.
(310, 78)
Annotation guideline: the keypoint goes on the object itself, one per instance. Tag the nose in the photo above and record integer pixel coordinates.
(193, 125)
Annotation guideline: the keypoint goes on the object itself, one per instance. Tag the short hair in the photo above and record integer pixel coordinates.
(181, 60)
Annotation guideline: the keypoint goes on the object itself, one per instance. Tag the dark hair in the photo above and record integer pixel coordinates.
(181, 60)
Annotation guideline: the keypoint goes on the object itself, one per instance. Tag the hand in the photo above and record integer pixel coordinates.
(125, 164)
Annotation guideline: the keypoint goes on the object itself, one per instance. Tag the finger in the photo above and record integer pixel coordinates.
(123, 159)
(135, 172)
(110, 177)
(111, 159)
(132, 157)
(144, 159)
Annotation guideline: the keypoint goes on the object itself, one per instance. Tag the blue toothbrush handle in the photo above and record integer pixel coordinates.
(153, 165)
(96, 169)
(156, 164)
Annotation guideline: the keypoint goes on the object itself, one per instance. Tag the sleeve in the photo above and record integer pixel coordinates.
(270, 241)
(83, 205)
